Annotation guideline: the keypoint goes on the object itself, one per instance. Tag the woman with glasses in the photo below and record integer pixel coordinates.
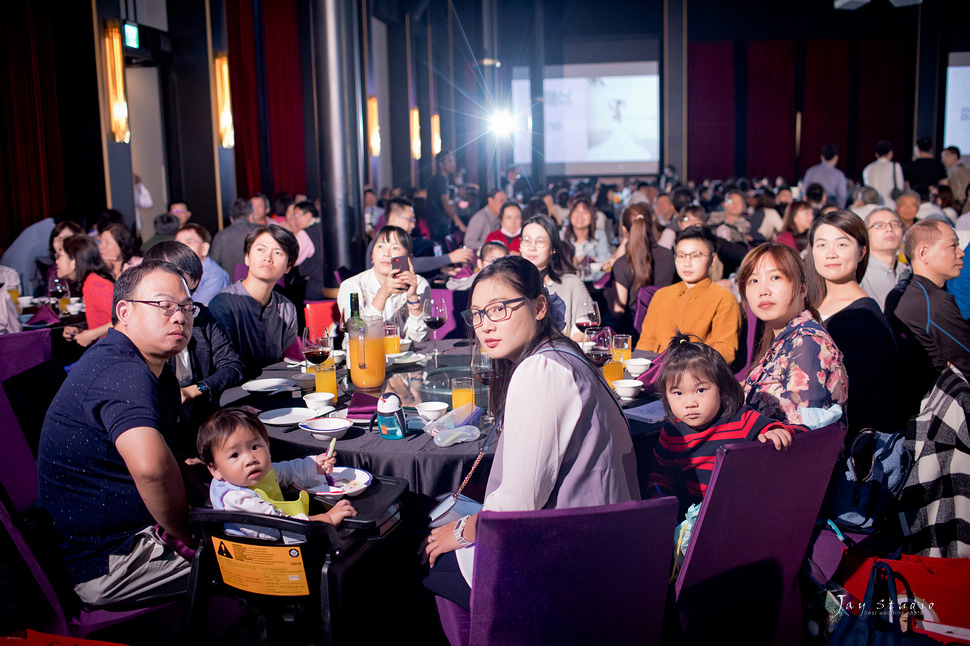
(208, 364)
(837, 261)
(542, 246)
(645, 263)
(573, 450)
(80, 263)
(884, 270)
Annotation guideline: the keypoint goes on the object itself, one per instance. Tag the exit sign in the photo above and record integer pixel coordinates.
(131, 35)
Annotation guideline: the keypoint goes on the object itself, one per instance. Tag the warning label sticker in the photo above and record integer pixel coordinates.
(261, 569)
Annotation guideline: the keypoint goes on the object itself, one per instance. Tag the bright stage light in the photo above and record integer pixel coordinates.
(501, 123)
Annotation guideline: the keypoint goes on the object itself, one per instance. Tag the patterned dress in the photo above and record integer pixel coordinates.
(803, 368)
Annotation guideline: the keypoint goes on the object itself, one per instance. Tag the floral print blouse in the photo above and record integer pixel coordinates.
(803, 368)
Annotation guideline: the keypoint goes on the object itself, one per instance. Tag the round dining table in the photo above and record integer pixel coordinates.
(429, 469)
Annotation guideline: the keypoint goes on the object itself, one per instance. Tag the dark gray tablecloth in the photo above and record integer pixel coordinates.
(429, 469)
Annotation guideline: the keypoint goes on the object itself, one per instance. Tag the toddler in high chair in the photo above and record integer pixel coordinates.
(234, 444)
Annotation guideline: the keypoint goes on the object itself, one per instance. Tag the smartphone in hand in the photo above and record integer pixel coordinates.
(399, 264)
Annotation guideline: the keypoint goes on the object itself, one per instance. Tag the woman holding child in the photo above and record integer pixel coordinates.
(573, 451)
(839, 255)
(797, 372)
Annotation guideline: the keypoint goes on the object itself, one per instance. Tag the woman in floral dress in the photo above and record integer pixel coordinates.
(797, 372)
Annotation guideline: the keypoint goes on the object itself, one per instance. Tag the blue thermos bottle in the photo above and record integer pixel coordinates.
(390, 417)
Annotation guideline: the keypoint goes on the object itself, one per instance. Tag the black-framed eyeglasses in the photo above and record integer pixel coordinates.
(170, 307)
(879, 226)
(495, 312)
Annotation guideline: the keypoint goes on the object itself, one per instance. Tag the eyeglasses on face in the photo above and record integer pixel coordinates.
(170, 307)
(692, 257)
(879, 226)
(496, 312)
(538, 243)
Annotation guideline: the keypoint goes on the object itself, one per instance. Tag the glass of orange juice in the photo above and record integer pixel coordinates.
(392, 338)
(462, 392)
(622, 346)
(613, 371)
(326, 377)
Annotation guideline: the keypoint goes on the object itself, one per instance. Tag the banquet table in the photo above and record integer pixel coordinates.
(430, 470)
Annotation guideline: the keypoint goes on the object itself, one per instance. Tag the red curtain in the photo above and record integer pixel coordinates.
(710, 110)
(242, 83)
(771, 108)
(884, 110)
(31, 170)
(284, 89)
(825, 112)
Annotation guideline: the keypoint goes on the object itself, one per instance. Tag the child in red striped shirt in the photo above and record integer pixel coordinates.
(704, 408)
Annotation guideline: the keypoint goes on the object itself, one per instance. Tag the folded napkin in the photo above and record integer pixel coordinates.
(362, 405)
(602, 282)
(44, 315)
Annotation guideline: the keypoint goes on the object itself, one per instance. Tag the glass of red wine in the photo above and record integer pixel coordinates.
(597, 343)
(316, 347)
(589, 315)
(484, 373)
(435, 315)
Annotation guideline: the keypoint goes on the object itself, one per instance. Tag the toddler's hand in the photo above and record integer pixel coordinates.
(778, 436)
(341, 510)
(324, 464)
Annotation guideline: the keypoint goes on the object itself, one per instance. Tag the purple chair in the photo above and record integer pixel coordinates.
(593, 575)
(739, 576)
(644, 296)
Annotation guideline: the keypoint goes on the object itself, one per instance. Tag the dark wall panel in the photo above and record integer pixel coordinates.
(284, 87)
(770, 127)
(242, 84)
(885, 100)
(826, 111)
(710, 110)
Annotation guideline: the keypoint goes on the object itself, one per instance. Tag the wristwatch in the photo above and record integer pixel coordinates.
(204, 389)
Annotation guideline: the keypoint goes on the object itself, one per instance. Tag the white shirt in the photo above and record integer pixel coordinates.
(367, 285)
(879, 175)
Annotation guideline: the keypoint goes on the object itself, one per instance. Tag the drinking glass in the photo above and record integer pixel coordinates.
(589, 315)
(434, 317)
(484, 373)
(462, 392)
(597, 344)
(392, 338)
(622, 347)
(316, 350)
(59, 290)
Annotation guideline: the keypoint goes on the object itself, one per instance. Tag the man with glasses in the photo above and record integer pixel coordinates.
(884, 270)
(695, 305)
(106, 472)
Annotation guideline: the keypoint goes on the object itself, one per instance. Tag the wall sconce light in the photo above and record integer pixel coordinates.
(415, 134)
(114, 70)
(373, 127)
(224, 102)
(435, 133)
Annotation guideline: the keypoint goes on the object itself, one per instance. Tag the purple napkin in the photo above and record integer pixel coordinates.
(362, 405)
(45, 315)
(601, 283)
(649, 378)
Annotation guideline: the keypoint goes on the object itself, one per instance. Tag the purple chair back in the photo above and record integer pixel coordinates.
(23, 350)
(451, 324)
(586, 575)
(644, 296)
(751, 537)
(18, 468)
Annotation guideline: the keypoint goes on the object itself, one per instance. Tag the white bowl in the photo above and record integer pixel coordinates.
(338, 357)
(636, 366)
(75, 309)
(25, 301)
(327, 428)
(627, 388)
(405, 345)
(75, 299)
(431, 410)
(319, 401)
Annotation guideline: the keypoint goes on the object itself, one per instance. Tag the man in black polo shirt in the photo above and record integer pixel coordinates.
(106, 471)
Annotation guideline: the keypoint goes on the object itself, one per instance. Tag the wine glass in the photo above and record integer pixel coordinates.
(597, 343)
(484, 373)
(316, 347)
(435, 316)
(589, 315)
(58, 289)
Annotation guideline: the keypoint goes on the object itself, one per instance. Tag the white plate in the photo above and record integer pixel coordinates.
(268, 385)
(395, 355)
(410, 357)
(286, 416)
(349, 482)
